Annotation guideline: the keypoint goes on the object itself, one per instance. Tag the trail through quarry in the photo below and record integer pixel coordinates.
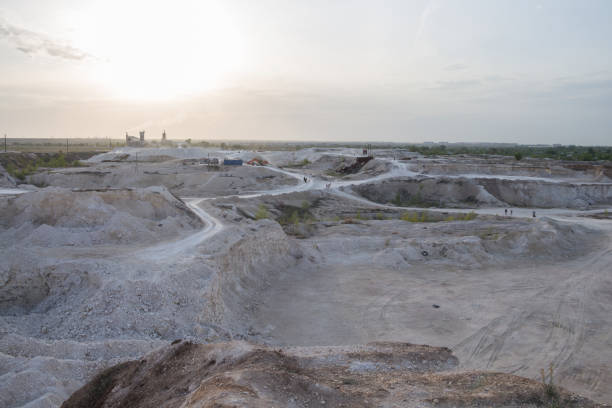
(510, 294)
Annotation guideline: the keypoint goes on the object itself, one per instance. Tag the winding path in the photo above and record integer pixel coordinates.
(213, 226)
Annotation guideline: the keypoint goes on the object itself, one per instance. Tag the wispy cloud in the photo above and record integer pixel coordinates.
(457, 85)
(33, 43)
(455, 67)
(431, 7)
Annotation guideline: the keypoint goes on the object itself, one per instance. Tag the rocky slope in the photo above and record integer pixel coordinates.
(239, 374)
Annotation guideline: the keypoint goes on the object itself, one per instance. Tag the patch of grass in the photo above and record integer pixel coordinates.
(551, 397)
(334, 173)
(292, 215)
(30, 167)
(415, 200)
(469, 216)
(262, 212)
(397, 201)
(411, 217)
(294, 218)
(303, 163)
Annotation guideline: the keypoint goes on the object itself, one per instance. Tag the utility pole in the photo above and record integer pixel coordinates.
(5, 143)
(66, 146)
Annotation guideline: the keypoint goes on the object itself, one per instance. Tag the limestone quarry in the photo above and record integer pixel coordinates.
(158, 277)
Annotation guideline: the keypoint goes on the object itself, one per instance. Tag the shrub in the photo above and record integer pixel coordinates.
(295, 218)
(410, 217)
(398, 199)
(551, 394)
(469, 216)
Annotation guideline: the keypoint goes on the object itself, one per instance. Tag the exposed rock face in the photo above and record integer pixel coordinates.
(548, 195)
(239, 374)
(485, 192)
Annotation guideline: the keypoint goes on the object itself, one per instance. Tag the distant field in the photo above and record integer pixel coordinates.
(57, 145)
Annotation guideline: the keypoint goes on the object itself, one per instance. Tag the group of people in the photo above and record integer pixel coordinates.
(327, 186)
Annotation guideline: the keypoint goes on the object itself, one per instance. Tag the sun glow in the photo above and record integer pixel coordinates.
(154, 50)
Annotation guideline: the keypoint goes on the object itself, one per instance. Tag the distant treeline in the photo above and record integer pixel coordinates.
(22, 165)
(571, 152)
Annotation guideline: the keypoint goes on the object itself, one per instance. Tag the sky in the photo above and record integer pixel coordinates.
(523, 71)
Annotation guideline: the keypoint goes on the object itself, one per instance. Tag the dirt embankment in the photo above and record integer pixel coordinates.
(242, 270)
(68, 310)
(427, 192)
(504, 166)
(548, 195)
(57, 217)
(245, 375)
(182, 179)
(485, 192)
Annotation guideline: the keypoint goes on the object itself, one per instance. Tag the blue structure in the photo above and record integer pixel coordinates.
(232, 162)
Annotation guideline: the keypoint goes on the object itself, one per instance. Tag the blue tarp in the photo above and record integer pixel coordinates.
(232, 162)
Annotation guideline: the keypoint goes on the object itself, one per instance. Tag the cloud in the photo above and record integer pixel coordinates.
(32, 43)
(431, 7)
(455, 67)
(457, 85)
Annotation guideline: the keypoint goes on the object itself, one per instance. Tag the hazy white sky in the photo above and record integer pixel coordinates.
(407, 71)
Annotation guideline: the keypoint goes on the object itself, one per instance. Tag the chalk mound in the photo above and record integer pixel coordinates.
(240, 374)
(55, 217)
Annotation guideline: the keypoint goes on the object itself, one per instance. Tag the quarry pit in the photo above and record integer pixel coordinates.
(317, 280)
